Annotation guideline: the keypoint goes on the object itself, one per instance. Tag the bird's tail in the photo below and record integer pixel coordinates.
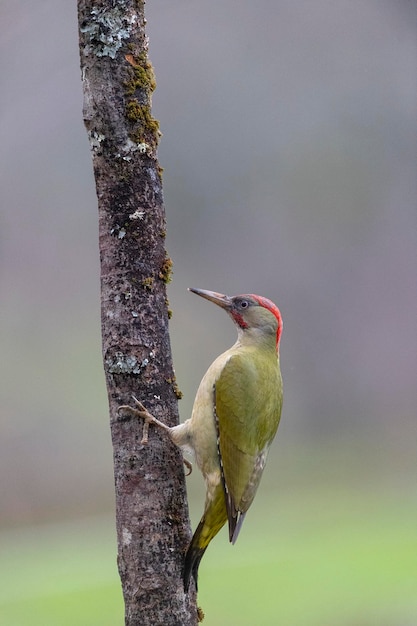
(192, 558)
(214, 518)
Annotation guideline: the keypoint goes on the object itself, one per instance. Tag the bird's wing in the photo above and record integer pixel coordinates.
(246, 420)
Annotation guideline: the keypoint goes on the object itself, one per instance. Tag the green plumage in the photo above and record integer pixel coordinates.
(248, 399)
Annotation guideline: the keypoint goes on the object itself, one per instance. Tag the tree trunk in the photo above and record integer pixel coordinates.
(152, 521)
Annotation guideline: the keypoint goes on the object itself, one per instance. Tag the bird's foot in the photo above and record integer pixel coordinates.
(188, 465)
(141, 412)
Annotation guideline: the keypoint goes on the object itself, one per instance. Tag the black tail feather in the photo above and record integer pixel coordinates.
(193, 557)
(192, 561)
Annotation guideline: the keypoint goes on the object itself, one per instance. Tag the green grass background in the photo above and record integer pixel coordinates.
(328, 549)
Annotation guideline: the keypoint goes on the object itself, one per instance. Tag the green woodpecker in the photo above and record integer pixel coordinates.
(235, 417)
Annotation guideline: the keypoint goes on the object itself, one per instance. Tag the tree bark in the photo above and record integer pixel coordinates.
(153, 528)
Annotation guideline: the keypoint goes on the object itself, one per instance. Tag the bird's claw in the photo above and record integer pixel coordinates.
(143, 413)
(188, 465)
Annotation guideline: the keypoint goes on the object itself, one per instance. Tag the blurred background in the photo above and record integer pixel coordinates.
(289, 148)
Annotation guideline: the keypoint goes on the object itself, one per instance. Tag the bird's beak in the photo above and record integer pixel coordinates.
(218, 298)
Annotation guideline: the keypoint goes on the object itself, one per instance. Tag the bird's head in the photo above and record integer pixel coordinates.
(253, 315)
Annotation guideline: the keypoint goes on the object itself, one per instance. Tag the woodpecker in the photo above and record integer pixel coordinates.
(234, 419)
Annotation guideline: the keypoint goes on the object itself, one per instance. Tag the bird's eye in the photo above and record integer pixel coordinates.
(244, 304)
